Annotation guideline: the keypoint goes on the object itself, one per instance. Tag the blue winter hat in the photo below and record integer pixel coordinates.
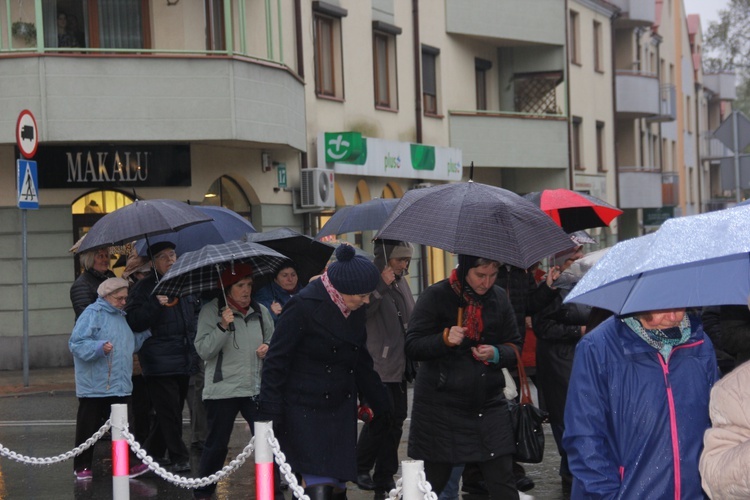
(352, 274)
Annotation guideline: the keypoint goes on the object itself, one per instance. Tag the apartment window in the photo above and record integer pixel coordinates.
(481, 67)
(600, 147)
(574, 38)
(329, 81)
(429, 79)
(577, 143)
(598, 64)
(116, 24)
(688, 114)
(664, 160)
(384, 64)
(215, 25)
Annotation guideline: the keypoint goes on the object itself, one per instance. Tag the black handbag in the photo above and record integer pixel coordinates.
(527, 421)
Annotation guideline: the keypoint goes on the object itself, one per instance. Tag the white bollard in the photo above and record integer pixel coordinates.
(410, 470)
(120, 454)
(263, 461)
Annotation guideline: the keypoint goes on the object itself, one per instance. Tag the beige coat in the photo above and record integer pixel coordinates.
(725, 462)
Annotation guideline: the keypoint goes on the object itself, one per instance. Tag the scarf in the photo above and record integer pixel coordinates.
(335, 295)
(661, 340)
(472, 310)
(237, 307)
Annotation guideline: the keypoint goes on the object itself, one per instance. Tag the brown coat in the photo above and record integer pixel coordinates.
(725, 460)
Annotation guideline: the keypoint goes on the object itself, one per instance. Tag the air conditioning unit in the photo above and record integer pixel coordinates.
(422, 185)
(316, 188)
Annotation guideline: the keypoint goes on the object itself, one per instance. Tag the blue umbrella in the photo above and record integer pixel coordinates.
(692, 261)
(367, 216)
(227, 225)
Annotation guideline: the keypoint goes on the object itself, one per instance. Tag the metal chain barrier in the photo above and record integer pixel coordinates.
(285, 468)
(188, 482)
(425, 487)
(59, 458)
(398, 491)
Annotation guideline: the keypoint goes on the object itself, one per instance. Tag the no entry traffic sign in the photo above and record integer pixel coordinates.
(27, 134)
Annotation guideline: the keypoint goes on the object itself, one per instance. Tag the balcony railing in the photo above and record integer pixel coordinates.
(637, 94)
(636, 12)
(667, 104)
(244, 31)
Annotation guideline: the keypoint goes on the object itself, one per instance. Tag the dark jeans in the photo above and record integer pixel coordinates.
(167, 394)
(92, 413)
(220, 415)
(378, 442)
(141, 409)
(497, 474)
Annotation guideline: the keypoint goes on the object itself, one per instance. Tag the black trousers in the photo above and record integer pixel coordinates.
(92, 413)
(141, 409)
(497, 473)
(167, 394)
(378, 441)
(220, 415)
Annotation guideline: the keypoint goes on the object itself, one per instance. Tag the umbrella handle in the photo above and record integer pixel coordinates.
(226, 304)
(460, 320)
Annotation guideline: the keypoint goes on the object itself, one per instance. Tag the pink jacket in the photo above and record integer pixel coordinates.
(725, 462)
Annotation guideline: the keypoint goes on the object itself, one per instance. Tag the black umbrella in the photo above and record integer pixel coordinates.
(140, 219)
(476, 219)
(200, 271)
(308, 255)
(366, 216)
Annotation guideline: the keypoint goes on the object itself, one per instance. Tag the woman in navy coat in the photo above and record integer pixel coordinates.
(315, 367)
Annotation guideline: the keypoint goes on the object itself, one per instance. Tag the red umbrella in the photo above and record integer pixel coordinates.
(573, 210)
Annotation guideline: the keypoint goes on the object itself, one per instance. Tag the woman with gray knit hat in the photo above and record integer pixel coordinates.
(387, 319)
(316, 365)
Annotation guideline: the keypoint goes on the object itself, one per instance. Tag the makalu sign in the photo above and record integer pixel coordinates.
(351, 153)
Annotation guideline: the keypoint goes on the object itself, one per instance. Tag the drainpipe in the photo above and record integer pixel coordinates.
(614, 105)
(423, 270)
(298, 35)
(698, 139)
(417, 70)
(571, 179)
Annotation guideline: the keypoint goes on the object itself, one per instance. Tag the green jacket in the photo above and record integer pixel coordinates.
(232, 367)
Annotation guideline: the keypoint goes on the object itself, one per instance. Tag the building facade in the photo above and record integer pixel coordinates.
(284, 110)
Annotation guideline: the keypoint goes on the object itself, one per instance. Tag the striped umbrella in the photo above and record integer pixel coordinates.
(199, 271)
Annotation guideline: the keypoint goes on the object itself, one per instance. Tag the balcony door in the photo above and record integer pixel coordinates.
(110, 24)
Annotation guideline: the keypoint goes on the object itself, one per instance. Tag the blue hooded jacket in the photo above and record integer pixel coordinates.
(634, 422)
(99, 375)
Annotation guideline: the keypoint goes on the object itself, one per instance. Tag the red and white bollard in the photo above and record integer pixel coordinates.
(120, 453)
(263, 461)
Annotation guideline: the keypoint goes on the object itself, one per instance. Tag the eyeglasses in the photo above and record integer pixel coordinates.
(119, 298)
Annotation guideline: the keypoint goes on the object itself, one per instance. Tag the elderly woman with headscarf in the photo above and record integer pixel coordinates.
(315, 367)
(95, 270)
(637, 407)
(102, 345)
(459, 412)
(277, 293)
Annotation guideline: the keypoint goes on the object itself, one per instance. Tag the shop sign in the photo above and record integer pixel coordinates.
(114, 166)
(350, 153)
(657, 216)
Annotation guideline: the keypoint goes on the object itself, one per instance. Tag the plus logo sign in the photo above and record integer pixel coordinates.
(338, 147)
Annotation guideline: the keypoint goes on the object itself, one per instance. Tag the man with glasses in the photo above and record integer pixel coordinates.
(165, 358)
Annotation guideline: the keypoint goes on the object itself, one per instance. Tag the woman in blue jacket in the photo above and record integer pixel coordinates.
(637, 407)
(102, 345)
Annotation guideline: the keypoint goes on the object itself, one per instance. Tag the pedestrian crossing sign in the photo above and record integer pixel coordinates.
(28, 194)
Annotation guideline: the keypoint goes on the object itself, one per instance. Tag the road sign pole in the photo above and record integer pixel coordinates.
(736, 149)
(25, 280)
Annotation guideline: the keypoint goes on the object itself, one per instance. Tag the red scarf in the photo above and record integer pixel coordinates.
(237, 307)
(472, 311)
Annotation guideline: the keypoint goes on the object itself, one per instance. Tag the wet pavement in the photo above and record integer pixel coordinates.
(39, 421)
